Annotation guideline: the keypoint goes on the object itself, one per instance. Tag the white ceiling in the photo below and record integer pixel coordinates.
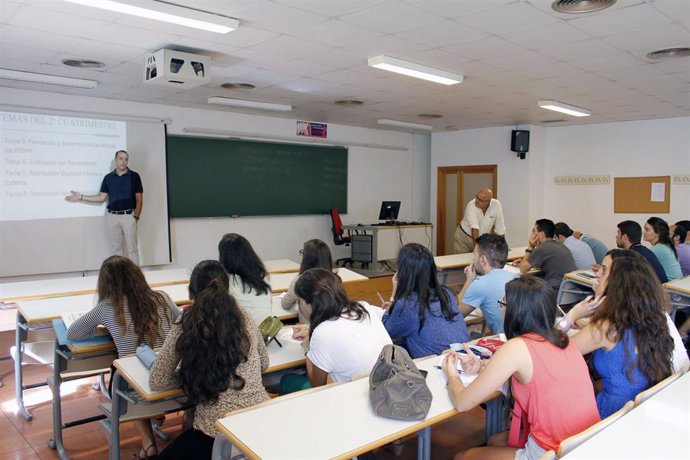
(310, 53)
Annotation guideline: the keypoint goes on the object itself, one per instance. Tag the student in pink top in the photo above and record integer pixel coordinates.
(554, 398)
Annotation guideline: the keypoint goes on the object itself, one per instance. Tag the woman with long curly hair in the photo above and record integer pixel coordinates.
(216, 354)
(628, 334)
(248, 275)
(134, 314)
(656, 233)
(315, 254)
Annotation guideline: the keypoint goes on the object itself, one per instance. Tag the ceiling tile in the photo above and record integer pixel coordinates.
(242, 37)
(650, 39)
(338, 58)
(289, 47)
(485, 48)
(457, 8)
(520, 61)
(508, 18)
(442, 33)
(119, 34)
(675, 9)
(391, 17)
(388, 45)
(628, 19)
(279, 18)
(616, 61)
(55, 22)
(330, 8)
(536, 38)
(335, 32)
(587, 49)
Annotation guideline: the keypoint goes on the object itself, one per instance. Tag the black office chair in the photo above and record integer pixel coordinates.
(339, 237)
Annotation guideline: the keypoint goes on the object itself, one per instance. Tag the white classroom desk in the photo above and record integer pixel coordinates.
(281, 281)
(281, 266)
(575, 286)
(32, 314)
(451, 267)
(347, 403)
(136, 375)
(57, 287)
(679, 293)
(659, 428)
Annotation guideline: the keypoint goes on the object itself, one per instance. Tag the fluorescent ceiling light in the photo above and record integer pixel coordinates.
(249, 104)
(47, 79)
(564, 108)
(167, 12)
(414, 70)
(404, 124)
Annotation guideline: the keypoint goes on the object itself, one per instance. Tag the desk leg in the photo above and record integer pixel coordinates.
(54, 383)
(424, 443)
(20, 337)
(115, 410)
(495, 416)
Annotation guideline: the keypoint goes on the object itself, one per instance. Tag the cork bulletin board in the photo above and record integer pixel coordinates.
(642, 194)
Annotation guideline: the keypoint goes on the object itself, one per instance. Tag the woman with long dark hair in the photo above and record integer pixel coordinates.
(344, 337)
(216, 354)
(629, 333)
(315, 254)
(248, 275)
(134, 314)
(423, 313)
(550, 381)
(656, 232)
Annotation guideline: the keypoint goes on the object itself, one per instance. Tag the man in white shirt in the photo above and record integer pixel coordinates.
(483, 214)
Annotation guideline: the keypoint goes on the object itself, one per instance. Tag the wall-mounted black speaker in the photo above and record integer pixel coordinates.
(519, 142)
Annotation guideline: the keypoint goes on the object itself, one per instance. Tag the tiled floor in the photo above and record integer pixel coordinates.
(20, 439)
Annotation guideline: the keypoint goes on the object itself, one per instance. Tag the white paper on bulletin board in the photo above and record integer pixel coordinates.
(658, 192)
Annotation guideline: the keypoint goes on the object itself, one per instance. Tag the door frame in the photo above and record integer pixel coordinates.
(441, 174)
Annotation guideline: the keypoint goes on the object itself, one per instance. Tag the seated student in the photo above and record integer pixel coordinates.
(344, 338)
(582, 253)
(247, 276)
(315, 254)
(216, 353)
(485, 281)
(423, 313)
(628, 236)
(551, 257)
(679, 237)
(550, 380)
(134, 315)
(628, 332)
(598, 248)
(656, 233)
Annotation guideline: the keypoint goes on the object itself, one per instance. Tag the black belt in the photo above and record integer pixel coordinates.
(126, 211)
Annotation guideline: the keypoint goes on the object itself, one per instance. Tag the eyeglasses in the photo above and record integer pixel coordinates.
(503, 303)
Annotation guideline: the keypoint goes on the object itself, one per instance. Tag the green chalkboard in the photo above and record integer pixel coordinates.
(231, 177)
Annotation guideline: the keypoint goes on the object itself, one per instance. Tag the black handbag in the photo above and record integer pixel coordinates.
(397, 389)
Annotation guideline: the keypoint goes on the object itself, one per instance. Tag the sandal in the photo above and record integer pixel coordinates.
(145, 454)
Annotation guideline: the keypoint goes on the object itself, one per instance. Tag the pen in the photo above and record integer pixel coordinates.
(380, 297)
(440, 368)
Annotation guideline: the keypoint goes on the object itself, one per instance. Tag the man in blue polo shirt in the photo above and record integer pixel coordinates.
(125, 194)
(484, 291)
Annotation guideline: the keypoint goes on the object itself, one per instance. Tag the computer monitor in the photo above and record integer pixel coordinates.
(389, 210)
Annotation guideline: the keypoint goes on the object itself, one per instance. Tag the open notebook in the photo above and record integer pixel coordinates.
(70, 318)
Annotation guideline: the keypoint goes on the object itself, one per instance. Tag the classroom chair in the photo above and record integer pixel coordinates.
(642, 396)
(568, 444)
(339, 237)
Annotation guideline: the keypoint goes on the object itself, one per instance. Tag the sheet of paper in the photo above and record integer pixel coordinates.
(285, 334)
(69, 318)
(658, 191)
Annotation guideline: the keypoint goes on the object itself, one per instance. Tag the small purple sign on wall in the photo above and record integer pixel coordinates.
(311, 129)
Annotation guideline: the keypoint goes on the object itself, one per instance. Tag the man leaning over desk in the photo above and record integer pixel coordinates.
(483, 214)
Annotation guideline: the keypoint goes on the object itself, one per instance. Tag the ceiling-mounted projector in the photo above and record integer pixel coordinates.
(176, 69)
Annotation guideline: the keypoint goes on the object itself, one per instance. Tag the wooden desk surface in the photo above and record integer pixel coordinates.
(43, 310)
(455, 261)
(658, 428)
(577, 276)
(281, 281)
(78, 285)
(292, 417)
(137, 375)
(370, 227)
(681, 285)
(281, 266)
